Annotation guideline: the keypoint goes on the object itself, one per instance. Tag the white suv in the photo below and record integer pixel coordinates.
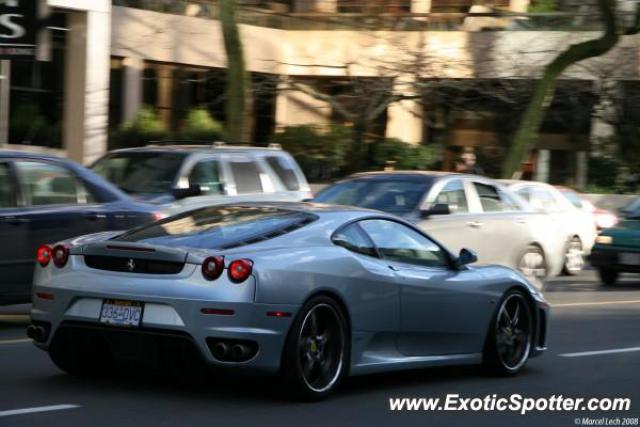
(184, 177)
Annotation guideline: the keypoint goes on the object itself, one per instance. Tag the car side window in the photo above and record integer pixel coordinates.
(543, 199)
(397, 242)
(246, 176)
(285, 171)
(490, 198)
(44, 184)
(355, 240)
(7, 188)
(206, 174)
(453, 194)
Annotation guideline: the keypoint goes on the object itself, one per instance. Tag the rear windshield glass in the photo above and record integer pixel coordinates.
(220, 227)
(139, 173)
(246, 176)
(285, 170)
(392, 195)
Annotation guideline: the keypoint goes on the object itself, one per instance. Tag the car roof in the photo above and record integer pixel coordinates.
(304, 206)
(410, 174)
(29, 155)
(195, 147)
(516, 182)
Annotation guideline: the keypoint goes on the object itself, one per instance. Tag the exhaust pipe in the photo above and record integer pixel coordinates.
(240, 352)
(220, 350)
(36, 333)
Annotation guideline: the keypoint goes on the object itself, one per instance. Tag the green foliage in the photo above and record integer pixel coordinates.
(401, 156)
(26, 123)
(200, 126)
(543, 6)
(326, 154)
(321, 155)
(145, 127)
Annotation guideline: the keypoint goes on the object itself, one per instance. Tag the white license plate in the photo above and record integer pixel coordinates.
(627, 258)
(121, 313)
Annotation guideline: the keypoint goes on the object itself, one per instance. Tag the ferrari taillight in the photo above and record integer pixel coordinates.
(240, 270)
(43, 256)
(60, 255)
(212, 267)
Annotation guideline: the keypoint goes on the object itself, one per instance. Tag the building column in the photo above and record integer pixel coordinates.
(404, 118)
(519, 6)
(5, 92)
(294, 107)
(582, 169)
(131, 87)
(420, 6)
(86, 105)
(542, 166)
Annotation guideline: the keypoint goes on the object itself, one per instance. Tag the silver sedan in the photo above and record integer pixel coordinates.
(312, 292)
(462, 211)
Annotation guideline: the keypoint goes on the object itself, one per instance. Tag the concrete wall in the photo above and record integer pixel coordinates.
(187, 40)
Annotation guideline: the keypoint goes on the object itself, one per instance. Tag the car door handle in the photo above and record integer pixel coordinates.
(521, 220)
(14, 220)
(94, 216)
(474, 224)
(394, 268)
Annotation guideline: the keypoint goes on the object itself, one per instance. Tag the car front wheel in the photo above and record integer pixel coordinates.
(574, 258)
(533, 265)
(608, 276)
(316, 354)
(510, 335)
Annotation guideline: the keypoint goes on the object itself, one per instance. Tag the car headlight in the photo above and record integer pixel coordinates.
(604, 240)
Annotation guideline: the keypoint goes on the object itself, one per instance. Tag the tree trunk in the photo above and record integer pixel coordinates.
(238, 115)
(545, 88)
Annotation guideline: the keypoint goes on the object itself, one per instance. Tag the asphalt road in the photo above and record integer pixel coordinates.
(586, 317)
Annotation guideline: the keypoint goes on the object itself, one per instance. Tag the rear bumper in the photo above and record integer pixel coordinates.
(74, 312)
(610, 258)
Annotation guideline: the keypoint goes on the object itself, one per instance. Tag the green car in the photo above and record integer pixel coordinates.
(617, 250)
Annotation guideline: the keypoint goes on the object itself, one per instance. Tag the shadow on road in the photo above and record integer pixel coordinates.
(221, 387)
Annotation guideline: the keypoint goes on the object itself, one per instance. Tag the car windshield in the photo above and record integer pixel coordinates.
(399, 195)
(140, 172)
(632, 209)
(220, 227)
(572, 197)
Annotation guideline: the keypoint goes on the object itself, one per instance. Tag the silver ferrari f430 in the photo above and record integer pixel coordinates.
(311, 292)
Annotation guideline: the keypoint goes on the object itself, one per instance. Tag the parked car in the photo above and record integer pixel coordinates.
(602, 218)
(460, 211)
(47, 199)
(184, 177)
(617, 249)
(574, 224)
(324, 291)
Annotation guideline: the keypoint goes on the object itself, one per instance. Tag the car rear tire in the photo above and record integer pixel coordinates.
(510, 335)
(317, 351)
(573, 258)
(608, 276)
(533, 265)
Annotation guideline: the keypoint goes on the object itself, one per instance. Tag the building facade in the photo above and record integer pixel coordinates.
(111, 58)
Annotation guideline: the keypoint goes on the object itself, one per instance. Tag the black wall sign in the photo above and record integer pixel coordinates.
(19, 27)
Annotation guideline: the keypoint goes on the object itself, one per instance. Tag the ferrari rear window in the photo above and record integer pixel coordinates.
(220, 227)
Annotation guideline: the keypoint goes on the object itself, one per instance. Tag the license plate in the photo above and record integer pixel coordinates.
(121, 313)
(627, 258)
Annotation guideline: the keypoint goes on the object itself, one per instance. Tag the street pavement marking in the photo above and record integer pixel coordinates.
(16, 341)
(586, 304)
(37, 409)
(600, 352)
